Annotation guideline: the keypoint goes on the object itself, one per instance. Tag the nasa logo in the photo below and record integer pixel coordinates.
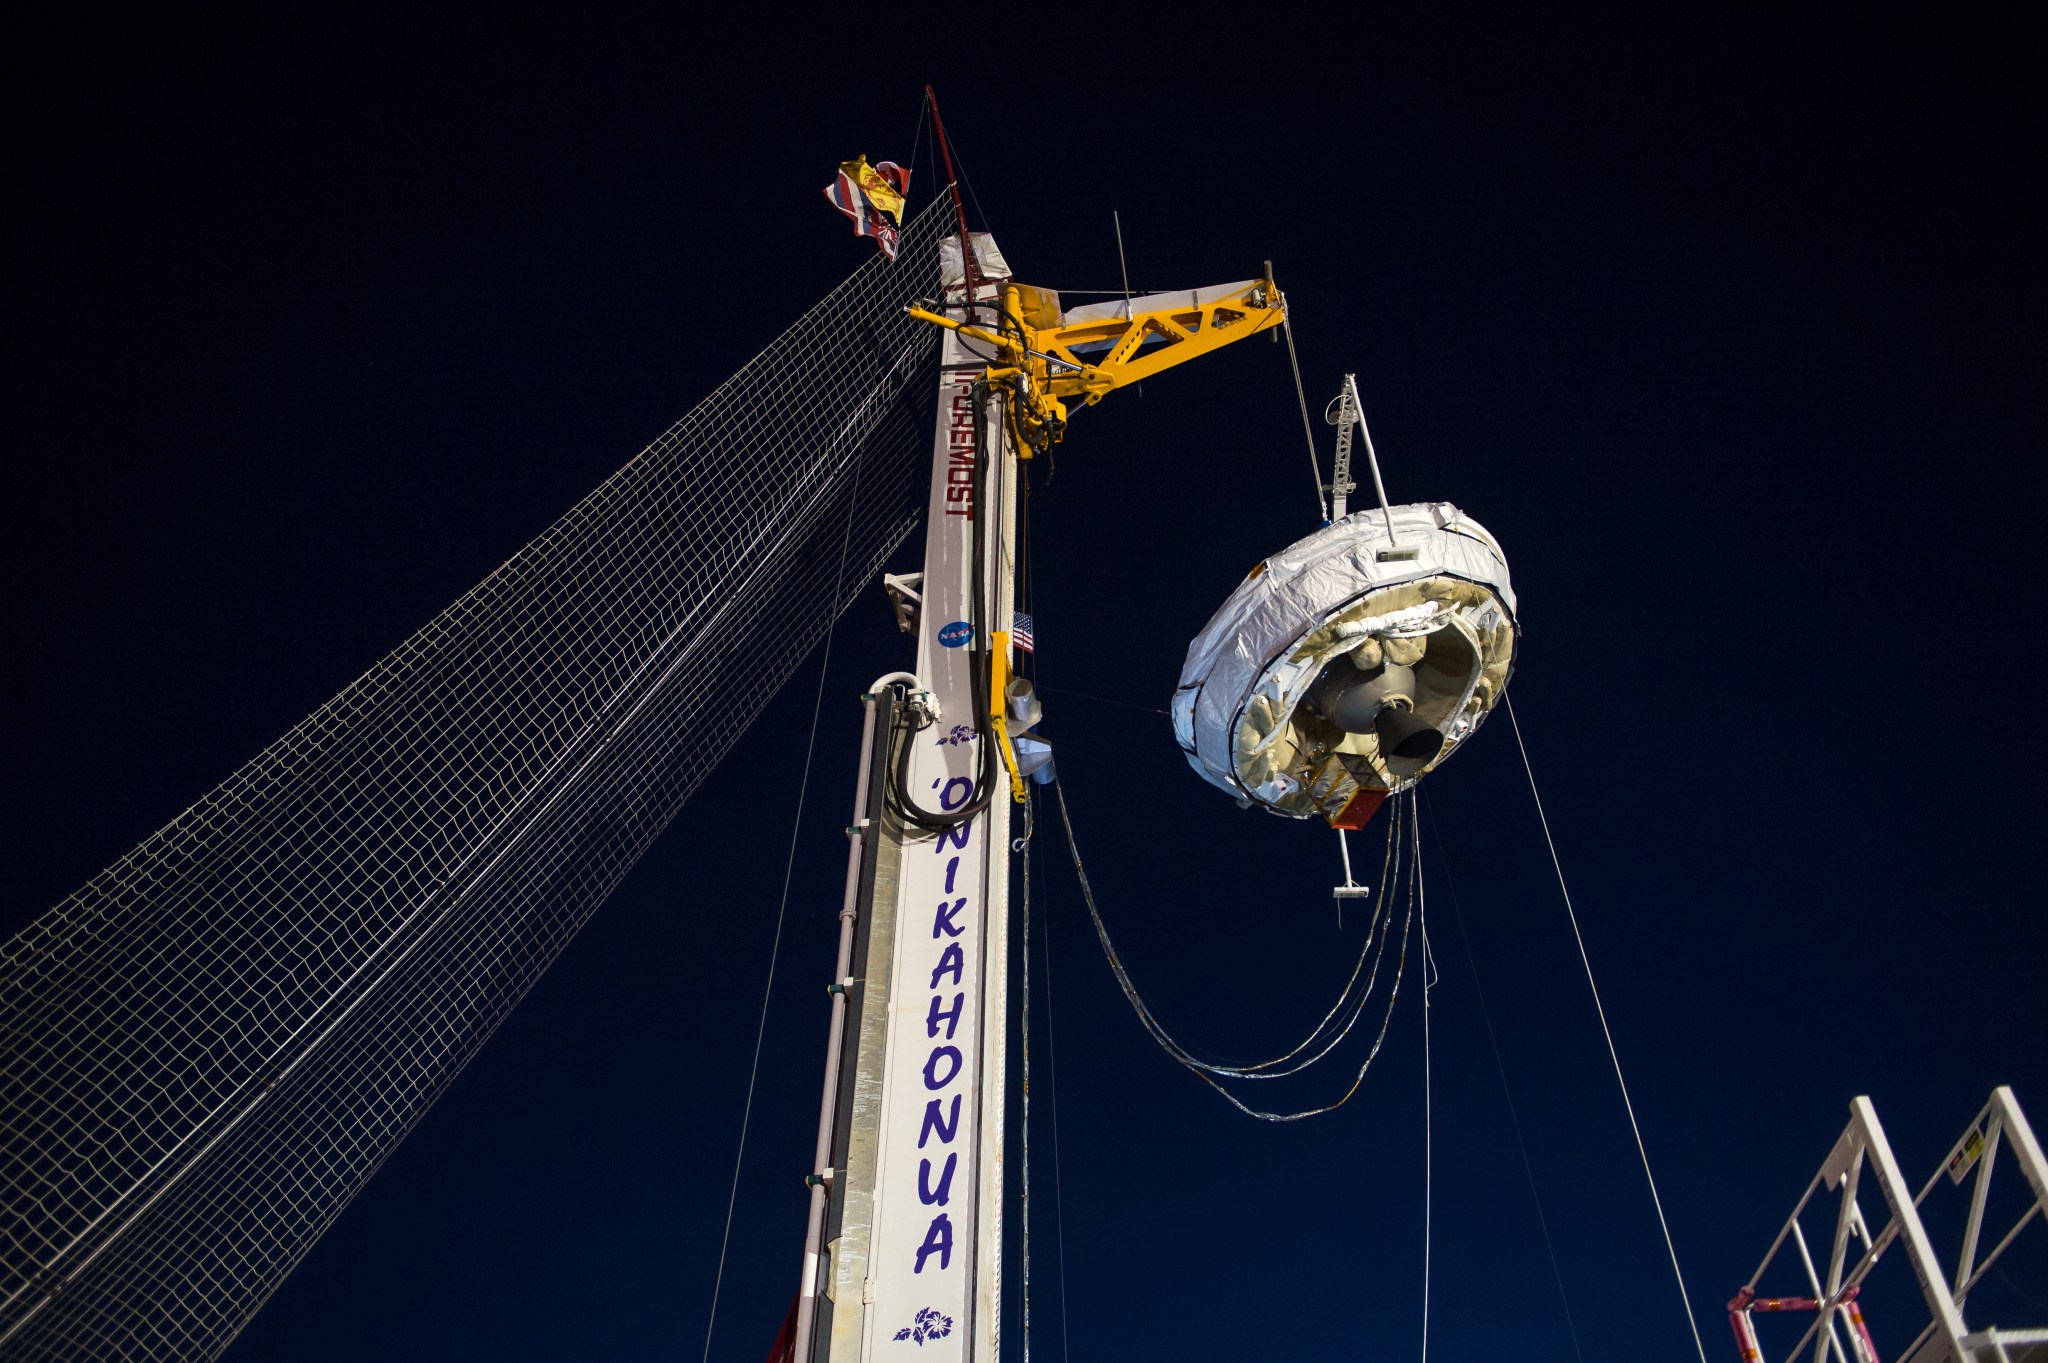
(956, 634)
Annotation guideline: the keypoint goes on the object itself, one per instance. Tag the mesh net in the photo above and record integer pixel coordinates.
(211, 1046)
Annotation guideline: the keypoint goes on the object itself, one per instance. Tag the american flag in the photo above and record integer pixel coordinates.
(1020, 632)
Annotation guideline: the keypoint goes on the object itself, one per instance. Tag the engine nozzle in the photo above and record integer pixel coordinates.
(1407, 744)
(1380, 701)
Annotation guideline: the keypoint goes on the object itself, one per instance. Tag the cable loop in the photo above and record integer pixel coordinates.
(1401, 830)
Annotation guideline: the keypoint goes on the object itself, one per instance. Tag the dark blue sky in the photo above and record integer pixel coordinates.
(1726, 326)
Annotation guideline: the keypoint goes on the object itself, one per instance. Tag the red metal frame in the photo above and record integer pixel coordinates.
(1747, 1301)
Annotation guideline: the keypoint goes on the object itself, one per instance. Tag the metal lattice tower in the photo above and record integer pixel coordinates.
(211, 1046)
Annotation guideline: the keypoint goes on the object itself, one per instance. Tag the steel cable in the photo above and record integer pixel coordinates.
(796, 828)
(1612, 1054)
(1315, 465)
(1268, 1069)
(1507, 1092)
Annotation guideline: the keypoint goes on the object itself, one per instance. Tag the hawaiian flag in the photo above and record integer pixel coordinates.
(1020, 632)
(873, 197)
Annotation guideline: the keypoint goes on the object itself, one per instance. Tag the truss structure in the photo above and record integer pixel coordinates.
(1835, 1283)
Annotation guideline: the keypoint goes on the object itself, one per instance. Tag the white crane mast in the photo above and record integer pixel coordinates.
(905, 1247)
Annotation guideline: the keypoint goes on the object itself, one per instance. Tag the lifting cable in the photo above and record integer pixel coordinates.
(917, 134)
(1052, 1096)
(1406, 867)
(1027, 589)
(1612, 1053)
(1500, 1066)
(1022, 846)
(1429, 978)
(1315, 467)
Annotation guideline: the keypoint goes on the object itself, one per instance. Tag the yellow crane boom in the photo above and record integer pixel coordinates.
(1043, 356)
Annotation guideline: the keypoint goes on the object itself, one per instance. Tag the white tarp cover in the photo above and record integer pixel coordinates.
(988, 261)
(1345, 589)
(1154, 302)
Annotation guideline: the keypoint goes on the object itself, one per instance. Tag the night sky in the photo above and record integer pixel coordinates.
(1726, 326)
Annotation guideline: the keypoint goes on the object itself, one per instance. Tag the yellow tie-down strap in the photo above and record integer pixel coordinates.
(998, 717)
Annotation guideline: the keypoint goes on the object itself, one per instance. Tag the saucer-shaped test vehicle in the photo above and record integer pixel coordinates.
(1350, 664)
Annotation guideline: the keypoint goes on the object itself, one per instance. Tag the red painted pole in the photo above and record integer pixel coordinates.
(953, 188)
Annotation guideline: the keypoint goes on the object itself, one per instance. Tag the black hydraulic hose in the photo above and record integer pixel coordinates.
(939, 820)
(1008, 320)
(906, 803)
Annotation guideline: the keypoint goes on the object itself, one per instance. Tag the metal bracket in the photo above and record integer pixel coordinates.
(1350, 889)
(905, 597)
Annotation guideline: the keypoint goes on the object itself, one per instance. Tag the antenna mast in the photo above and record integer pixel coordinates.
(1343, 411)
(1341, 485)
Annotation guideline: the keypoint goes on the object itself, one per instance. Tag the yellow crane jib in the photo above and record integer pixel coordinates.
(1042, 355)
(1045, 355)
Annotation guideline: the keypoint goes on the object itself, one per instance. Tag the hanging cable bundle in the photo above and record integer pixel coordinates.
(1400, 877)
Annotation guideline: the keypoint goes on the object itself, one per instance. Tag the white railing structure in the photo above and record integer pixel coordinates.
(1835, 1287)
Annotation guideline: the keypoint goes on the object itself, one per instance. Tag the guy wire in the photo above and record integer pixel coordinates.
(1612, 1054)
(1308, 430)
(782, 909)
(1507, 1092)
